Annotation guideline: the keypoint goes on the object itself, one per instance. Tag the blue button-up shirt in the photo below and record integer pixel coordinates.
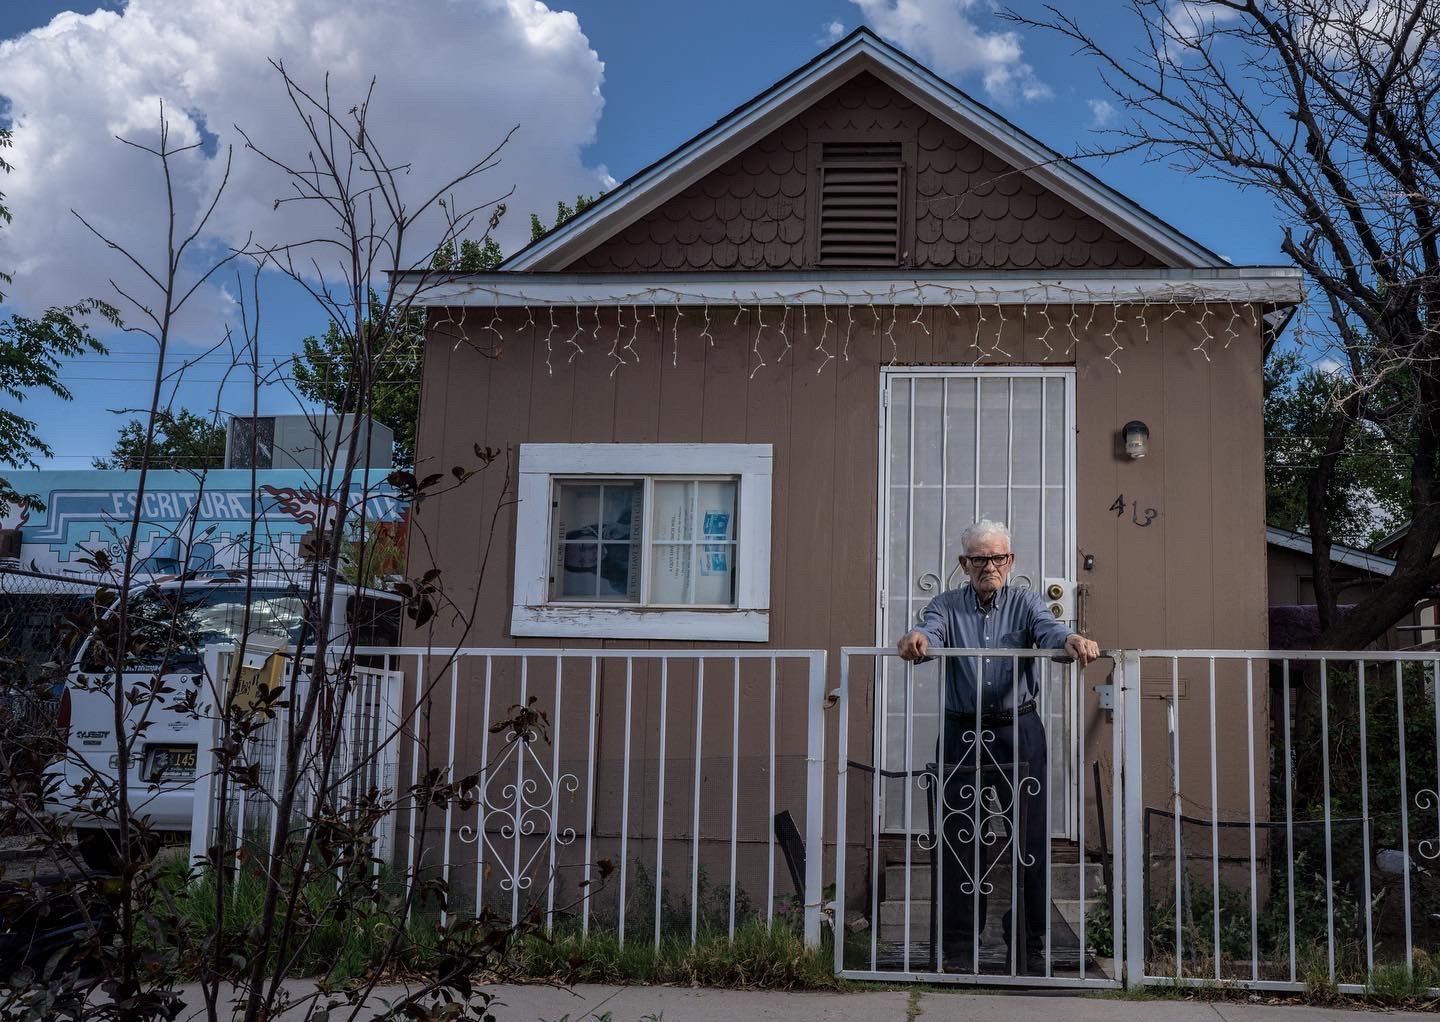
(1015, 619)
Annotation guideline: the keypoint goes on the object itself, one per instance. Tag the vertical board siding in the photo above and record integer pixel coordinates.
(1161, 585)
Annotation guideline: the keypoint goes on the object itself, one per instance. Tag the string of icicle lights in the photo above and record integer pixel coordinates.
(825, 320)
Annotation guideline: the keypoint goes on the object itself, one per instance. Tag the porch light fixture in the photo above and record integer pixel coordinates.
(1137, 439)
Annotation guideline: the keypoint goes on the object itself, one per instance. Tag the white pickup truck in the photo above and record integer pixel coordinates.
(162, 769)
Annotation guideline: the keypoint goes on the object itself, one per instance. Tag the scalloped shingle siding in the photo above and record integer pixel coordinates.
(969, 208)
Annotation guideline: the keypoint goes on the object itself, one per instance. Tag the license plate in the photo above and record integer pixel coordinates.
(170, 763)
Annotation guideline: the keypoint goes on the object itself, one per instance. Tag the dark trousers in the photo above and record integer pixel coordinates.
(959, 899)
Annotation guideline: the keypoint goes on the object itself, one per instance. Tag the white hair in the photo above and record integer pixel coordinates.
(984, 527)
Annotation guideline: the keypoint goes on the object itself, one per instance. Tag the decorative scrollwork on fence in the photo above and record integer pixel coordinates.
(965, 810)
(525, 805)
(1429, 848)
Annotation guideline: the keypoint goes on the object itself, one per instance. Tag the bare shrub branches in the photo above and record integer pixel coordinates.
(1329, 107)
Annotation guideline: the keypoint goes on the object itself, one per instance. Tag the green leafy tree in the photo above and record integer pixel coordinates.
(185, 440)
(326, 373)
(30, 354)
(1366, 495)
(563, 212)
(473, 257)
(326, 370)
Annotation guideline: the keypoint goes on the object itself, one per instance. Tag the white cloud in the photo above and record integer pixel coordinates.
(830, 32)
(453, 77)
(947, 35)
(1102, 113)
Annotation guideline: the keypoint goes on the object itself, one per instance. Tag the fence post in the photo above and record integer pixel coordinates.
(202, 807)
(1131, 811)
(815, 806)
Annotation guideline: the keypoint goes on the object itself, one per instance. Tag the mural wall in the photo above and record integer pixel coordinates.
(204, 521)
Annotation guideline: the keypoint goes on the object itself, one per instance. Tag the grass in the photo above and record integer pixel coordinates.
(339, 946)
(760, 958)
(351, 946)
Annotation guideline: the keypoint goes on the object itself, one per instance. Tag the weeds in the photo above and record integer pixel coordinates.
(760, 957)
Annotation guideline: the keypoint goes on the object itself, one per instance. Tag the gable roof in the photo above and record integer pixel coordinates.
(860, 51)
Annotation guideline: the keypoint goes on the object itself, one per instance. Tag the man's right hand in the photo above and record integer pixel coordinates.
(913, 646)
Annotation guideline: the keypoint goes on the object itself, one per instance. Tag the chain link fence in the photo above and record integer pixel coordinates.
(43, 620)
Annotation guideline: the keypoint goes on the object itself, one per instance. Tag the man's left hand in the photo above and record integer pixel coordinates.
(1082, 649)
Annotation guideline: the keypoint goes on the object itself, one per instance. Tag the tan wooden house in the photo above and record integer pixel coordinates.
(751, 397)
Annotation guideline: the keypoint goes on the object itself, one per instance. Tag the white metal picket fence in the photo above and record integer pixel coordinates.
(653, 794)
(679, 793)
(1294, 835)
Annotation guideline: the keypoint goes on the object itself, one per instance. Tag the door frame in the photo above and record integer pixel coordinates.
(1067, 374)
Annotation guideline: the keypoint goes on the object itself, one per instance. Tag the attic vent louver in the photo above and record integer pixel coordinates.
(860, 189)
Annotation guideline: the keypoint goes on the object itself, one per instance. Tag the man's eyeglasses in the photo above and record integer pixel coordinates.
(981, 562)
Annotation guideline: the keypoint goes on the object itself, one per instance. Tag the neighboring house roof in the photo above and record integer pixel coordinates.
(1394, 538)
(1339, 553)
(862, 50)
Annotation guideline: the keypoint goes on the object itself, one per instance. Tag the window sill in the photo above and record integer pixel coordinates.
(637, 623)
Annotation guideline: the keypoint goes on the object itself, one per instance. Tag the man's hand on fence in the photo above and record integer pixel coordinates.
(1082, 649)
(913, 646)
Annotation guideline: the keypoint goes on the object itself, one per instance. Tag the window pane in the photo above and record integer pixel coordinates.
(620, 572)
(578, 563)
(670, 572)
(579, 511)
(622, 510)
(597, 527)
(717, 510)
(674, 516)
(715, 581)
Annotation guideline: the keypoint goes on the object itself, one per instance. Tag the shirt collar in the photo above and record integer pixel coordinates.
(1000, 596)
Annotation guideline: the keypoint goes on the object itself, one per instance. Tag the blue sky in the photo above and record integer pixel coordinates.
(669, 69)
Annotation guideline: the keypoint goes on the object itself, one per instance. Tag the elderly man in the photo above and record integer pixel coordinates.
(988, 614)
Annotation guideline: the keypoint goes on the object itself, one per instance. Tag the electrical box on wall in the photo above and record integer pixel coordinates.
(1059, 596)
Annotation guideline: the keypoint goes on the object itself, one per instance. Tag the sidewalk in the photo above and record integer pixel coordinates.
(592, 1003)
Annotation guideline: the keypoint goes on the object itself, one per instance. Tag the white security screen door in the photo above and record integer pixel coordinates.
(958, 445)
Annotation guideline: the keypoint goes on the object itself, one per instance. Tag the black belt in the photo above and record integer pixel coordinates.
(994, 716)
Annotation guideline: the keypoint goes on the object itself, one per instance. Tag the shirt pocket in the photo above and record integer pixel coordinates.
(1017, 639)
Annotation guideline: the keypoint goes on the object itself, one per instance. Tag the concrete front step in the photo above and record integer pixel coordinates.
(1064, 880)
(892, 917)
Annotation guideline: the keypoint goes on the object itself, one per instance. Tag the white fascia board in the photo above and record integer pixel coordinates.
(645, 459)
(1262, 285)
(1044, 165)
(682, 168)
(688, 164)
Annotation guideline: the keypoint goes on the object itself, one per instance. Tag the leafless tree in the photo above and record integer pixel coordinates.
(319, 861)
(1330, 108)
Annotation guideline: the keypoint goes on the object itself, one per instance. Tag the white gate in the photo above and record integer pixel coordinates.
(1008, 907)
(958, 445)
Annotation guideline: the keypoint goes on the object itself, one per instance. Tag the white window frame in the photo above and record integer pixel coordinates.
(541, 465)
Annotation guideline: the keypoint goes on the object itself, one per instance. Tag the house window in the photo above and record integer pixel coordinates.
(655, 541)
(666, 541)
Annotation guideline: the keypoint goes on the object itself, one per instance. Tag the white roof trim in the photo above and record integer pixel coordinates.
(1260, 285)
(862, 51)
(1349, 556)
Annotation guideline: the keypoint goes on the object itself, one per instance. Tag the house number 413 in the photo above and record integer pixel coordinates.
(1141, 518)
